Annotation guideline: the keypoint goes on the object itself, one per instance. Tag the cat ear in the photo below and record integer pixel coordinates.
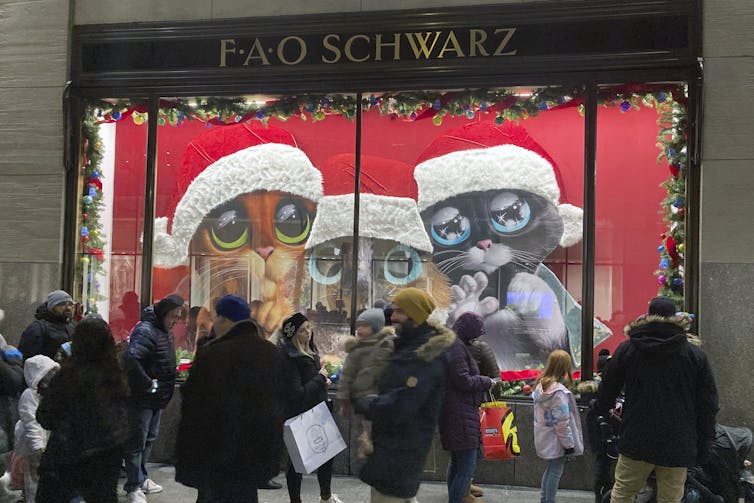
(572, 224)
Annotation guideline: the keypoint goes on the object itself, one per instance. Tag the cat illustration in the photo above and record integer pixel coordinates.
(490, 200)
(253, 246)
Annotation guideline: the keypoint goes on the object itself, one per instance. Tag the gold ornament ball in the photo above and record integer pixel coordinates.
(92, 300)
(84, 260)
(681, 247)
(95, 233)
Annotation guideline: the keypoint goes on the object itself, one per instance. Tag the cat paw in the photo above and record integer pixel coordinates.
(466, 297)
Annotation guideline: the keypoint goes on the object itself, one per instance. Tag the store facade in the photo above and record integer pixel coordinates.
(540, 173)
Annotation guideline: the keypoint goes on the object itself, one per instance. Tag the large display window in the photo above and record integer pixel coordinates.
(474, 194)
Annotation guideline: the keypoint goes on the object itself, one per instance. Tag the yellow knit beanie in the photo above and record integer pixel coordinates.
(417, 304)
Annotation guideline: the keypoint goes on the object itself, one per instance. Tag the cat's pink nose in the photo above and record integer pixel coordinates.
(484, 244)
(265, 251)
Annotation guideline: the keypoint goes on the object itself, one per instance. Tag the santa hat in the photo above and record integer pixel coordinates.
(483, 156)
(387, 202)
(218, 167)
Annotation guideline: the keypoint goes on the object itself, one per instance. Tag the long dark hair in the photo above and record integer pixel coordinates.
(93, 346)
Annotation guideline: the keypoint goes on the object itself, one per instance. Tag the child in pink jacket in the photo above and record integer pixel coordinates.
(557, 425)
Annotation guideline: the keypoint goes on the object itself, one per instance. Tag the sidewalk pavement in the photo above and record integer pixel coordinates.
(350, 490)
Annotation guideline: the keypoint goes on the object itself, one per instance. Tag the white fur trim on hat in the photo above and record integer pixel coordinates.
(270, 166)
(499, 167)
(381, 217)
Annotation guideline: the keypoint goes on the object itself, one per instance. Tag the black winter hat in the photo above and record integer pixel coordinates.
(662, 306)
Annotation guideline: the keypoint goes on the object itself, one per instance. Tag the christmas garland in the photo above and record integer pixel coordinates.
(506, 105)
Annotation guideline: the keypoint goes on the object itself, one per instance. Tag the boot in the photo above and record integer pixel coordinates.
(476, 490)
(470, 498)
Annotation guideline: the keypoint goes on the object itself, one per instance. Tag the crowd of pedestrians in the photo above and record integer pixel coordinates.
(87, 411)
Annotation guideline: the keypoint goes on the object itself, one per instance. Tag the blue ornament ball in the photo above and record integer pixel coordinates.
(95, 175)
(661, 97)
(483, 107)
(664, 263)
(678, 203)
(543, 105)
(469, 114)
(671, 152)
(92, 192)
(325, 102)
(677, 281)
(116, 115)
(84, 230)
(625, 106)
(660, 249)
(334, 378)
(437, 104)
(309, 107)
(372, 99)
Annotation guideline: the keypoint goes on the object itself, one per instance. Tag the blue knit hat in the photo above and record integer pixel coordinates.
(233, 307)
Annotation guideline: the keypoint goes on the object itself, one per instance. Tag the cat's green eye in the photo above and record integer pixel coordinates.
(292, 222)
(228, 231)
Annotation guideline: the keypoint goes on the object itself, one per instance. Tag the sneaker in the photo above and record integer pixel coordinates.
(150, 487)
(333, 499)
(137, 496)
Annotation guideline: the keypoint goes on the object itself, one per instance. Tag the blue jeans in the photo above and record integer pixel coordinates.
(236, 493)
(460, 470)
(144, 424)
(551, 479)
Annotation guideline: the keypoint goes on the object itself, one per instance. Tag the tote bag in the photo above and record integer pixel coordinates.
(312, 438)
(499, 434)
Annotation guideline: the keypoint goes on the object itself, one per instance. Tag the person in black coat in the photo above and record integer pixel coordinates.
(231, 431)
(404, 413)
(306, 386)
(85, 411)
(670, 404)
(51, 328)
(150, 366)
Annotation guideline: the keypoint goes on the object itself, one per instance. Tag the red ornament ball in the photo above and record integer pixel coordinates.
(84, 239)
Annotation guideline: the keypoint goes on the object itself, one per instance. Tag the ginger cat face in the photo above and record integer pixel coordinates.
(252, 246)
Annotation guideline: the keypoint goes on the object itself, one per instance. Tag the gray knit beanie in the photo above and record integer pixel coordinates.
(374, 317)
(57, 297)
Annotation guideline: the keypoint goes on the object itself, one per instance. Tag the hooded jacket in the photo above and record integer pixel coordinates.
(670, 395)
(366, 360)
(404, 414)
(150, 355)
(46, 334)
(465, 390)
(29, 434)
(557, 424)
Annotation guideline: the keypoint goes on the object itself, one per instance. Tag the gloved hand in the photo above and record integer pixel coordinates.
(12, 354)
(361, 405)
(570, 454)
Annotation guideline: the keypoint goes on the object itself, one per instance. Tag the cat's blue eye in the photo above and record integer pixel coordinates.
(326, 264)
(402, 265)
(449, 226)
(509, 212)
(228, 231)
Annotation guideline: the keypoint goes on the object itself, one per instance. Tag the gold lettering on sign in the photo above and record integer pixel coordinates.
(396, 47)
(256, 51)
(347, 49)
(476, 42)
(227, 46)
(507, 38)
(331, 47)
(301, 48)
(456, 47)
(418, 42)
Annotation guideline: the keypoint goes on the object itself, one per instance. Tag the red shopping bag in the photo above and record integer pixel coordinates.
(499, 432)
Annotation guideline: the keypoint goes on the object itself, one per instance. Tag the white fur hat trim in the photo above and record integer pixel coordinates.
(380, 217)
(270, 166)
(499, 167)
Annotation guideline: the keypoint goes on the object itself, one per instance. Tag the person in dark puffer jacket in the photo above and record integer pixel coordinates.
(404, 413)
(460, 432)
(52, 327)
(150, 366)
(670, 404)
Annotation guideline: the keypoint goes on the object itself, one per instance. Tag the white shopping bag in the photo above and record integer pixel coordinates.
(312, 438)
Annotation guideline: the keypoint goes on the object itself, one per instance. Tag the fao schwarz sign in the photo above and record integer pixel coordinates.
(335, 48)
(212, 49)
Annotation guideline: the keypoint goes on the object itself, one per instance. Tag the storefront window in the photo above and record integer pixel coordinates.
(640, 197)
(474, 195)
(111, 213)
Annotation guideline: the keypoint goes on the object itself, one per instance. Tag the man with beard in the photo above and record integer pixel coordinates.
(51, 329)
(404, 413)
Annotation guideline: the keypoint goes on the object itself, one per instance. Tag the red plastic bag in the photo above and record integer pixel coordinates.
(499, 432)
(16, 469)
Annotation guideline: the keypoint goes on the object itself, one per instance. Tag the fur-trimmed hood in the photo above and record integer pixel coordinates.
(350, 342)
(437, 344)
(657, 334)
